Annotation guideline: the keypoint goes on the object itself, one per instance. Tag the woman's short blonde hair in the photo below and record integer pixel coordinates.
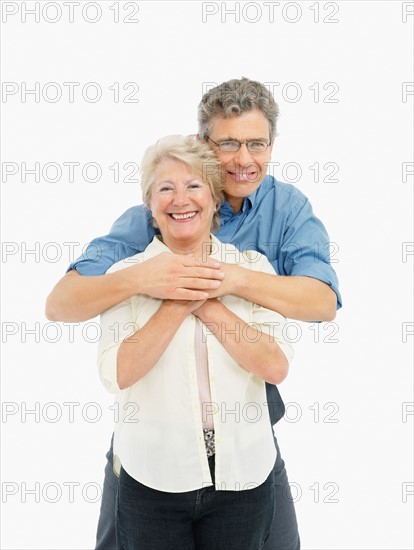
(192, 152)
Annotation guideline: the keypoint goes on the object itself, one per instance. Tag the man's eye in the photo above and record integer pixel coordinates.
(257, 144)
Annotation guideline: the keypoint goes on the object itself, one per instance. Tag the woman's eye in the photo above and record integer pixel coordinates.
(195, 185)
(165, 188)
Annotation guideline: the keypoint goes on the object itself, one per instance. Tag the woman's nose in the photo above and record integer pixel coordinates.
(180, 197)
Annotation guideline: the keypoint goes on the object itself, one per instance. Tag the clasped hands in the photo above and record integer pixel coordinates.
(189, 279)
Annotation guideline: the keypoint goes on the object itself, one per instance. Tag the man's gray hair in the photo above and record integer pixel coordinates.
(234, 97)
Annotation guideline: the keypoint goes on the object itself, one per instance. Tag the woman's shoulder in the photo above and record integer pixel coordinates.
(154, 248)
(249, 259)
(127, 262)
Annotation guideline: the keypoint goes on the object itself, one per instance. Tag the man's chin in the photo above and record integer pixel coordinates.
(242, 189)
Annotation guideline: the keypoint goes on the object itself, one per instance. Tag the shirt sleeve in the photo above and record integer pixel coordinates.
(270, 322)
(117, 323)
(306, 249)
(130, 234)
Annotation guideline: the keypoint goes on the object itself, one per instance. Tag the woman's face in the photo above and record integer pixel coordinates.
(181, 204)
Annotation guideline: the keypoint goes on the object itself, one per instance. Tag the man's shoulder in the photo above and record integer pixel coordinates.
(278, 201)
(134, 213)
(281, 190)
(134, 227)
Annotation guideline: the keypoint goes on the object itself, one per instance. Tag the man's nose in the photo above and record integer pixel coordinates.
(243, 156)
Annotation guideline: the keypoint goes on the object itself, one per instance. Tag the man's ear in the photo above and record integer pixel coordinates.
(200, 138)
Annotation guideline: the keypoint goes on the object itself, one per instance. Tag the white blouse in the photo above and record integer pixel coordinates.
(159, 434)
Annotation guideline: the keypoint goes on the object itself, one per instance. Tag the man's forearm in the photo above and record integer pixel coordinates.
(166, 276)
(77, 298)
(295, 297)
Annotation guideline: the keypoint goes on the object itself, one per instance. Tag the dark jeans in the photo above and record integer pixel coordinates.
(284, 530)
(204, 519)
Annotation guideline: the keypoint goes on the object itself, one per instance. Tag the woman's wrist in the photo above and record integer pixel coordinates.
(180, 308)
(209, 309)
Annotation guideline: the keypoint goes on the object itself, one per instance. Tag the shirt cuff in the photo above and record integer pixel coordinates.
(108, 369)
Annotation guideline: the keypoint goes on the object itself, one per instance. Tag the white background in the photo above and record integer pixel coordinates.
(362, 452)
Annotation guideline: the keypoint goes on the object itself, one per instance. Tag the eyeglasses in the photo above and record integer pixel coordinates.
(233, 145)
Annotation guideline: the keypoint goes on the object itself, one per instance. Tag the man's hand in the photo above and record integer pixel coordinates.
(232, 273)
(167, 276)
(178, 277)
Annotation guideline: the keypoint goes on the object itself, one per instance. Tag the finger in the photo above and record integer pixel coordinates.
(189, 294)
(215, 293)
(202, 273)
(195, 283)
(190, 260)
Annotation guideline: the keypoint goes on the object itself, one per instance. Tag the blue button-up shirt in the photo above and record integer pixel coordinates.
(276, 220)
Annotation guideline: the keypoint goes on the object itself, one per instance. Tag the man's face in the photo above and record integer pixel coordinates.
(244, 170)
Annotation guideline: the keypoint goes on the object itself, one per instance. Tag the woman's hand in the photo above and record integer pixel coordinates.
(203, 305)
(188, 306)
(253, 349)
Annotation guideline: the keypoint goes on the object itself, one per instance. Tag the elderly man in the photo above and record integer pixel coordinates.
(238, 120)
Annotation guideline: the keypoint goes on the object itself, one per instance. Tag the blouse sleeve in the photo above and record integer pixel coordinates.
(117, 324)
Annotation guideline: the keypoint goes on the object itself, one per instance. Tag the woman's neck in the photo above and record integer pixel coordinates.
(199, 248)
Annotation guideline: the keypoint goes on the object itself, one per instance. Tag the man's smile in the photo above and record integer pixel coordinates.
(244, 175)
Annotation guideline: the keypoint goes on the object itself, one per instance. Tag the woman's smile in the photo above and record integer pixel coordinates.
(183, 217)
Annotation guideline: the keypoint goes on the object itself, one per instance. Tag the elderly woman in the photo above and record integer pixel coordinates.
(193, 442)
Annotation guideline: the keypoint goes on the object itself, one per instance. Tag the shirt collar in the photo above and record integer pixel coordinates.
(226, 210)
(250, 201)
(156, 247)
